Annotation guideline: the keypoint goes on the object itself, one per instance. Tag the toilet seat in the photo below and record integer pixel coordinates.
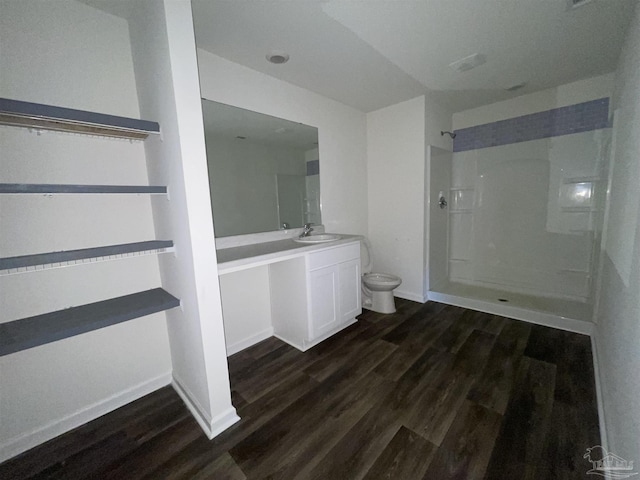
(383, 281)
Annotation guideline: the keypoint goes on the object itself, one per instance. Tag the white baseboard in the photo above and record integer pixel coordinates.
(409, 296)
(210, 426)
(17, 445)
(222, 421)
(247, 342)
(306, 345)
(604, 439)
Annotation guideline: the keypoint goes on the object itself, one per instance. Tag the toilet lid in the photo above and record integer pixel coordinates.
(365, 256)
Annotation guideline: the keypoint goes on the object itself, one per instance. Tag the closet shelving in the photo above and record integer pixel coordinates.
(48, 117)
(33, 331)
(40, 261)
(46, 188)
(50, 327)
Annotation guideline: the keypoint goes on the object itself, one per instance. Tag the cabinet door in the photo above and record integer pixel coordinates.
(349, 290)
(324, 301)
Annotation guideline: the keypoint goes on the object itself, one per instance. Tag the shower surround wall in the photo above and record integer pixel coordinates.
(526, 201)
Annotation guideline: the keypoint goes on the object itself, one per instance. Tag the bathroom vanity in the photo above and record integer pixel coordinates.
(300, 293)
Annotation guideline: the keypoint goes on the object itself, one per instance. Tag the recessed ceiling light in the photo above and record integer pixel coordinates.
(277, 57)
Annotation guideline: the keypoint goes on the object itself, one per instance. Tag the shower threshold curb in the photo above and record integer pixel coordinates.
(519, 313)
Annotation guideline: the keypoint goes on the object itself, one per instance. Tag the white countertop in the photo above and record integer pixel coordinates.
(248, 256)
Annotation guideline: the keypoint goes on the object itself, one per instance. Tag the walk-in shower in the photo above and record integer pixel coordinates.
(520, 234)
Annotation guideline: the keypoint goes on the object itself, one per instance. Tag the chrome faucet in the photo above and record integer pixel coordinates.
(306, 230)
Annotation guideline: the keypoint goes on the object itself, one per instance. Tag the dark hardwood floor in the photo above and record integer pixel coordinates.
(432, 391)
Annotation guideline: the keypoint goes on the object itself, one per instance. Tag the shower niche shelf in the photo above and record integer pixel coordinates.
(30, 332)
(589, 179)
(48, 117)
(461, 210)
(579, 209)
(461, 199)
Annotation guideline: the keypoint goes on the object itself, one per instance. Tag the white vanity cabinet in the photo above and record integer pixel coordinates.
(333, 284)
(316, 295)
(300, 294)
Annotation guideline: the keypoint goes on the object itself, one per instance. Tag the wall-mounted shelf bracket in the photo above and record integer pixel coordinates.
(47, 117)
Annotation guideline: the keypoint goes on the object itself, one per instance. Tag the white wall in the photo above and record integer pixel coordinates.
(562, 96)
(396, 162)
(618, 316)
(396, 140)
(68, 54)
(242, 176)
(164, 54)
(341, 133)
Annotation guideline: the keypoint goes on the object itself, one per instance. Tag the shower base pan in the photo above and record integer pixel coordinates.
(552, 312)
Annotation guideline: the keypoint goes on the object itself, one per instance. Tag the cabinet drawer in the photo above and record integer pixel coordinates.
(333, 256)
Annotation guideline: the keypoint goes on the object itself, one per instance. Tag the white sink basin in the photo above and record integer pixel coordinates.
(319, 238)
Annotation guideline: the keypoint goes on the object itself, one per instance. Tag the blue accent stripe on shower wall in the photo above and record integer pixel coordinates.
(313, 167)
(581, 117)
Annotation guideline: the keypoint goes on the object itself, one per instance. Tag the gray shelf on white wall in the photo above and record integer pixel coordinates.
(65, 256)
(25, 333)
(48, 117)
(30, 332)
(49, 188)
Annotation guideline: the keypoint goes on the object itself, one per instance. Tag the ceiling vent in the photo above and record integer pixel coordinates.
(515, 87)
(467, 63)
(571, 4)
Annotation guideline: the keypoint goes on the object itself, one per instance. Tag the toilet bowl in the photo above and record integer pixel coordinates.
(377, 288)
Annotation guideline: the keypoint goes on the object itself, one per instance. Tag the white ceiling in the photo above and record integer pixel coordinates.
(375, 53)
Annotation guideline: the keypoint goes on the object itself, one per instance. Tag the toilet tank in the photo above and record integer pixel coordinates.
(366, 261)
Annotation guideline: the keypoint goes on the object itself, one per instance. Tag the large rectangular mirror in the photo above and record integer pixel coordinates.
(264, 172)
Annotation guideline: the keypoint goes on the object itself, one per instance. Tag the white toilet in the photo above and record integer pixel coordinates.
(377, 288)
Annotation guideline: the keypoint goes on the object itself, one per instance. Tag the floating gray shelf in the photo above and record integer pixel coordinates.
(48, 117)
(18, 188)
(82, 254)
(34, 331)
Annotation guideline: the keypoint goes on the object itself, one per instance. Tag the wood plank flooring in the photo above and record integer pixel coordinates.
(432, 391)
